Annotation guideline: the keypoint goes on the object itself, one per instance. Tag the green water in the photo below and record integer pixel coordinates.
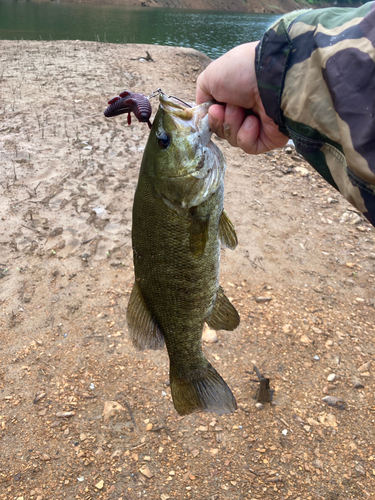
(210, 32)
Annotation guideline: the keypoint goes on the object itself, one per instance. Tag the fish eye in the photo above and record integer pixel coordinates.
(164, 140)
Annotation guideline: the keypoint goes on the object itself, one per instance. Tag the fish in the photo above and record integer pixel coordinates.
(178, 223)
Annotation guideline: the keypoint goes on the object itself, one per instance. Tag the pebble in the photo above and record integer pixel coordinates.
(38, 396)
(360, 470)
(145, 471)
(259, 406)
(149, 427)
(110, 409)
(365, 367)
(357, 384)
(284, 432)
(287, 328)
(262, 299)
(332, 377)
(304, 339)
(209, 335)
(316, 358)
(65, 414)
(100, 484)
(333, 401)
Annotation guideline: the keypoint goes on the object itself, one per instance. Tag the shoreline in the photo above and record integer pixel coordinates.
(248, 6)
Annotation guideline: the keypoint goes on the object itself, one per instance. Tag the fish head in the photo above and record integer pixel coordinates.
(185, 166)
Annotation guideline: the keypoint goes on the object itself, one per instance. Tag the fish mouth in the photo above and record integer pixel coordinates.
(186, 116)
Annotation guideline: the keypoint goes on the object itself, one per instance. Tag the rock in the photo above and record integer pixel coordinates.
(331, 420)
(110, 409)
(360, 470)
(145, 471)
(149, 427)
(262, 299)
(57, 231)
(209, 335)
(357, 384)
(334, 401)
(304, 339)
(316, 358)
(116, 454)
(259, 406)
(65, 414)
(38, 396)
(82, 437)
(195, 452)
(45, 457)
(302, 170)
(99, 485)
(203, 428)
(332, 377)
(318, 464)
(365, 367)
(287, 328)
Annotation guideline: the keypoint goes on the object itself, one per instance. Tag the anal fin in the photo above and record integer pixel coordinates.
(227, 233)
(224, 315)
(144, 332)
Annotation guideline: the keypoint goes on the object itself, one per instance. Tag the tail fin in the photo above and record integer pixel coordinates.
(204, 390)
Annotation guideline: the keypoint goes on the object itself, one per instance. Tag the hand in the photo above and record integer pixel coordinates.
(231, 80)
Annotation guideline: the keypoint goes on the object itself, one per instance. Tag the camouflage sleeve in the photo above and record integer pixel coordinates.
(316, 77)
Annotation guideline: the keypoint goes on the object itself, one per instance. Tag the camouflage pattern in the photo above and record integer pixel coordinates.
(316, 77)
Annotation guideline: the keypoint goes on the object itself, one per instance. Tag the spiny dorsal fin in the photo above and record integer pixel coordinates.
(144, 332)
(227, 233)
(198, 232)
(224, 315)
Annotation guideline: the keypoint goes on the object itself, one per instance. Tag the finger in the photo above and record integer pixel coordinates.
(248, 136)
(203, 92)
(216, 115)
(233, 120)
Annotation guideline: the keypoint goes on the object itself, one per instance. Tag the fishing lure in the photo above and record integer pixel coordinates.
(128, 102)
(139, 104)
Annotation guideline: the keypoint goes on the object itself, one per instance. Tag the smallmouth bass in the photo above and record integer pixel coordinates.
(178, 223)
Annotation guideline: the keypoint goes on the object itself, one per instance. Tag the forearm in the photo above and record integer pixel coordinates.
(316, 77)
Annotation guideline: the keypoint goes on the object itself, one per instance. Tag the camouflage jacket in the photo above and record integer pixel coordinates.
(316, 77)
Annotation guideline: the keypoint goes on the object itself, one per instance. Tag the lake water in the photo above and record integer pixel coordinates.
(210, 32)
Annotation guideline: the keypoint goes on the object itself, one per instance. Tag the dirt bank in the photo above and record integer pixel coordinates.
(302, 279)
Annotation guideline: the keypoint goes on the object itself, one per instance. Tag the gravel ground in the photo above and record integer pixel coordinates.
(85, 416)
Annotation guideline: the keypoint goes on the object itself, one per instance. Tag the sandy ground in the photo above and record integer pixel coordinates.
(302, 279)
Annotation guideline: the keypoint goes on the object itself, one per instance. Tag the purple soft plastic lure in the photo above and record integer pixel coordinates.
(128, 102)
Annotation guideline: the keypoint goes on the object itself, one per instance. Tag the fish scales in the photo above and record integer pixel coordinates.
(176, 250)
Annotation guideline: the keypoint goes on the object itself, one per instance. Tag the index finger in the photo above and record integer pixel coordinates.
(203, 92)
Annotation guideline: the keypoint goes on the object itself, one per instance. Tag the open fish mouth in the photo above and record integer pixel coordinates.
(193, 119)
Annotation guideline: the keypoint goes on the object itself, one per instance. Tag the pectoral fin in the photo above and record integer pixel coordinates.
(198, 232)
(224, 316)
(227, 233)
(144, 332)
